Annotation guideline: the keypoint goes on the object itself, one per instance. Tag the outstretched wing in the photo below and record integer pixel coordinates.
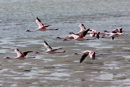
(84, 33)
(47, 46)
(121, 30)
(83, 57)
(25, 53)
(82, 27)
(57, 49)
(38, 21)
(19, 53)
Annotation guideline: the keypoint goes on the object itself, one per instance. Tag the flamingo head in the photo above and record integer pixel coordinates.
(71, 32)
(105, 31)
(8, 58)
(37, 53)
(28, 31)
(76, 54)
(58, 37)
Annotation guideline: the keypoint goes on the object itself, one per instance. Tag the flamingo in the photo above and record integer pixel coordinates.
(113, 34)
(94, 33)
(20, 55)
(80, 37)
(86, 53)
(50, 50)
(41, 27)
(117, 30)
(82, 29)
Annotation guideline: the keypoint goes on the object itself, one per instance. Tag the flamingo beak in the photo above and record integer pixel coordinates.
(37, 53)
(8, 58)
(76, 54)
(28, 31)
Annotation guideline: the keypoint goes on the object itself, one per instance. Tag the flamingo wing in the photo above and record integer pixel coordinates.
(19, 53)
(83, 57)
(84, 33)
(47, 46)
(82, 27)
(26, 52)
(121, 30)
(92, 55)
(57, 49)
(38, 21)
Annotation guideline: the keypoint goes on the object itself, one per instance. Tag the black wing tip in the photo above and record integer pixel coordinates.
(38, 19)
(82, 24)
(83, 57)
(93, 56)
(17, 49)
(30, 51)
(121, 30)
(45, 41)
(81, 60)
(113, 38)
(84, 33)
(26, 52)
(88, 29)
(98, 35)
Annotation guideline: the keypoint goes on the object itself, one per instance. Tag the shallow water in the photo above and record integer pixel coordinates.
(64, 70)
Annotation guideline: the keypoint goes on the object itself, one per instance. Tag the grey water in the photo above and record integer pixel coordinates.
(18, 16)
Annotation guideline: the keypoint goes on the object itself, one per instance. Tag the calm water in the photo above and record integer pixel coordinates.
(18, 16)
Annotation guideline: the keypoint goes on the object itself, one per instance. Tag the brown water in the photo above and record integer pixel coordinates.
(64, 70)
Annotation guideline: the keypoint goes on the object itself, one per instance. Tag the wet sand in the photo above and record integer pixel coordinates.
(64, 70)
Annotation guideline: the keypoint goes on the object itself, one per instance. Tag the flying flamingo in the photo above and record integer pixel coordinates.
(41, 27)
(82, 29)
(20, 55)
(113, 35)
(117, 30)
(94, 33)
(50, 50)
(86, 53)
(79, 36)
(76, 37)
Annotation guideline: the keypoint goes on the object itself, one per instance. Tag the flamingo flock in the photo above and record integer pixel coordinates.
(80, 36)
